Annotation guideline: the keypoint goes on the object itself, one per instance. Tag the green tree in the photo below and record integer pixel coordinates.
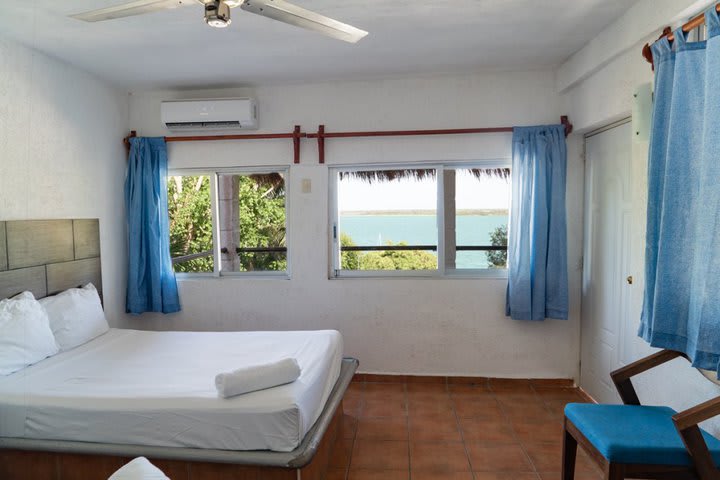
(498, 238)
(262, 221)
(190, 221)
(261, 201)
(348, 260)
(398, 259)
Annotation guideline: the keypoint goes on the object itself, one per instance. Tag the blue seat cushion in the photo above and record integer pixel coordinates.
(634, 433)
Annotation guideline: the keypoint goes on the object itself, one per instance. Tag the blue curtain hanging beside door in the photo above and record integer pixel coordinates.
(681, 308)
(151, 285)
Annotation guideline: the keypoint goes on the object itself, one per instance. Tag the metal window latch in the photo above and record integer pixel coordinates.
(629, 280)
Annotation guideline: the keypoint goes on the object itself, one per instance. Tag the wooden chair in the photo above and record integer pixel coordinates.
(636, 441)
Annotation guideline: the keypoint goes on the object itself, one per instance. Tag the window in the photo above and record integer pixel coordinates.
(420, 219)
(228, 222)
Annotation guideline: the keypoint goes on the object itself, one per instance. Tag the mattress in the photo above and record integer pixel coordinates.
(157, 388)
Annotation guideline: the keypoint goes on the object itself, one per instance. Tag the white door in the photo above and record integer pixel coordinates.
(606, 287)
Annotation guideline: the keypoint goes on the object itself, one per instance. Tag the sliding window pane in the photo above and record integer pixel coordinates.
(387, 219)
(190, 216)
(477, 220)
(252, 222)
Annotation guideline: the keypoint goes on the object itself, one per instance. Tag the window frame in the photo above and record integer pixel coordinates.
(214, 174)
(335, 273)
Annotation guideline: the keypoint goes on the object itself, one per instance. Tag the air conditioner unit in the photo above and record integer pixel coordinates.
(218, 114)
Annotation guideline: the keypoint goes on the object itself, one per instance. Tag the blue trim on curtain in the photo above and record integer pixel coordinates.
(151, 285)
(681, 307)
(537, 246)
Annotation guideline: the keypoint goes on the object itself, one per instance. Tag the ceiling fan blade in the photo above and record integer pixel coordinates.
(294, 15)
(129, 9)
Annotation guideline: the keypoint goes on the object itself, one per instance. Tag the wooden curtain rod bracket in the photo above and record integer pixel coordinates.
(126, 140)
(647, 51)
(321, 143)
(297, 135)
(565, 121)
(667, 32)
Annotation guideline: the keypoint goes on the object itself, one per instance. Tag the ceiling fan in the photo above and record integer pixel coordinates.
(217, 14)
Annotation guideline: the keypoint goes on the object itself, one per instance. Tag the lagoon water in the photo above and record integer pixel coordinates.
(372, 230)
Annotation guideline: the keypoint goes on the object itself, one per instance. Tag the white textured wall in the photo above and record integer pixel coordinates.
(420, 326)
(61, 154)
(598, 99)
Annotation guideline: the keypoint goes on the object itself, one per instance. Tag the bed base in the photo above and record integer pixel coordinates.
(23, 459)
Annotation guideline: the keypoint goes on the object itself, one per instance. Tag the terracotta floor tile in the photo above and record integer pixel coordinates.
(416, 475)
(499, 385)
(505, 476)
(578, 476)
(335, 474)
(518, 398)
(368, 474)
(352, 407)
(529, 432)
(429, 428)
(487, 431)
(439, 457)
(545, 456)
(429, 406)
(384, 389)
(387, 428)
(348, 427)
(426, 388)
(383, 408)
(498, 458)
(478, 407)
(355, 388)
(340, 453)
(469, 390)
(528, 413)
(380, 455)
(562, 394)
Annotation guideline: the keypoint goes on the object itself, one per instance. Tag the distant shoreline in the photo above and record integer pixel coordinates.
(407, 213)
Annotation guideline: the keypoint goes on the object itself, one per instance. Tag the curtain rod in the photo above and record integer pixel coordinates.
(667, 32)
(321, 135)
(296, 135)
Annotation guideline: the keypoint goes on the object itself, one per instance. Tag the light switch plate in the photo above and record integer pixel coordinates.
(306, 185)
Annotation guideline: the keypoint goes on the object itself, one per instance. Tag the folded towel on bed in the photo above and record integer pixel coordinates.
(257, 377)
(139, 469)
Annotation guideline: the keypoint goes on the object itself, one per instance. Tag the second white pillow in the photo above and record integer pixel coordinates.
(76, 316)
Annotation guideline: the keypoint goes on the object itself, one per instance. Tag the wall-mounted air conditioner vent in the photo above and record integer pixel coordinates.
(219, 114)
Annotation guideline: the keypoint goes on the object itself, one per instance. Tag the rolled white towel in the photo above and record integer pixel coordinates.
(139, 469)
(257, 377)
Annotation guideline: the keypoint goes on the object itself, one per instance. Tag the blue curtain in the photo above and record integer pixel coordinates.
(681, 309)
(151, 285)
(537, 246)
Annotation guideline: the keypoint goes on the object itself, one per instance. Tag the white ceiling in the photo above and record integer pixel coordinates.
(175, 48)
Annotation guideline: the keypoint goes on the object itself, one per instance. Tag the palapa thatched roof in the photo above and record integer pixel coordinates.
(372, 176)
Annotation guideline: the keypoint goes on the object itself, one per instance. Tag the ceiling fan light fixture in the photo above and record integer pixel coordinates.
(217, 14)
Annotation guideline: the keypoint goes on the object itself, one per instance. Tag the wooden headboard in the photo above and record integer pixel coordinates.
(49, 256)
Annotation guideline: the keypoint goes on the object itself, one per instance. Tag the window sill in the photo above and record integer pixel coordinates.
(490, 274)
(181, 277)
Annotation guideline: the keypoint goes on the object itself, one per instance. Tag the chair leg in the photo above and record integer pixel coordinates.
(615, 472)
(569, 453)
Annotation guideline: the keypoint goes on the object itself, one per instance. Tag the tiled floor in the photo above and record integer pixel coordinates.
(419, 431)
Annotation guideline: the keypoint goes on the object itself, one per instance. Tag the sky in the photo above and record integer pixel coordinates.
(410, 194)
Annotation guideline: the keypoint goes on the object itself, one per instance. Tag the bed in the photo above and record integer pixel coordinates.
(84, 412)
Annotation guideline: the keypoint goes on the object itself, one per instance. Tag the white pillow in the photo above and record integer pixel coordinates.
(76, 316)
(25, 335)
(139, 469)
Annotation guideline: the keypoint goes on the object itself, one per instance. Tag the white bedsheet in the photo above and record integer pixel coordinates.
(157, 388)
